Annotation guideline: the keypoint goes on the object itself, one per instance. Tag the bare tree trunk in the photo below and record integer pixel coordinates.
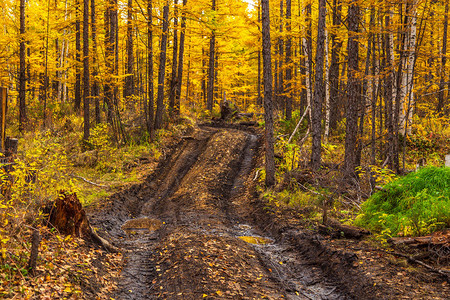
(173, 81)
(128, 89)
(259, 100)
(86, 86)
(288, 62)
(440, 105)
(77, 57)
(108, 94)
(22, 75)
(353, 90)
(318, 91)
(212, 44)
(336, 45)
(151, 105)
(162, 69)
(180, 60)
(280, 103)
(95, 86)
(307, 51)
(268, 116)
(327, 89)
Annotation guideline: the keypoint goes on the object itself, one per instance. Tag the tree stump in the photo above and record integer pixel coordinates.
(68, 216)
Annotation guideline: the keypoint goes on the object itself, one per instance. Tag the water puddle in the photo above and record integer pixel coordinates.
(141, 226)
(256, 240)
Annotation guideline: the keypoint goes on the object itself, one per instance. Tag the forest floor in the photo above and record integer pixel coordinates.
(199, 229)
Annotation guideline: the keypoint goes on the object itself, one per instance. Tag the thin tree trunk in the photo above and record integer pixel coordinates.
(318, 91)
(95, 85)
(280, 103)
(162, 69)
(128, 89)
(336, 45)
(86, 86)
(77, 57)
(180, 60)
(173, 81)
(440, 105)
(22, 75)
(288, 96)
(108, 96)
(259, 100)
(268, 116)
(151, 105)
(212, 44)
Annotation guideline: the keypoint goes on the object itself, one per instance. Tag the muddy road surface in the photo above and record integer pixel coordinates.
(194, 229)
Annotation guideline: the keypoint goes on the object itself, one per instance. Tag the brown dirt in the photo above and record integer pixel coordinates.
(203, 193)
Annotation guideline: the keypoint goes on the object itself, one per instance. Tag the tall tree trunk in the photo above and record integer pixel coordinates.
(162, 69)
(353, 89)
(151, 105)
(22, 75)
(77, 57)
(212, 44)
(173, 80)
(109, 58)
(128, 89)
(95, 86)
(288, 96)
(86, 86)
(307, 51)
(440, 104)
(46, 77)
(336, 45)
(259, 100)
(316, 112)
(280, 103)
(268, 116)
(180, 60)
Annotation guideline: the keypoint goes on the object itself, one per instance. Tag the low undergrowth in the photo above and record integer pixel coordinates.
(416, 204)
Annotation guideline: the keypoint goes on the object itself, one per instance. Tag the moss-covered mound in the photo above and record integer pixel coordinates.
(416, 204)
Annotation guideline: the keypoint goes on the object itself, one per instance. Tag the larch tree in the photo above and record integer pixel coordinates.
(180, 60)
(212, 45)
(22, 69)
(77, 57)
(268, 106)
(150, 105)
(128, 89)
(86, 74)
(289, 62)
(173, 80)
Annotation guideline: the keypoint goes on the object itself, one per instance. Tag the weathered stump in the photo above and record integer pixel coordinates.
(68, 216)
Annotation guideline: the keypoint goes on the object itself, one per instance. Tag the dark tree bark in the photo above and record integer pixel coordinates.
(86, 73)
(151, 110)
(180, 60)
(128, 89)
(22, 69)
(109, 58)
(280, 103)
(336, 45)
(288, 97)
(353, 90)
(316, 105)
(77, 57)
(173, 80)
(389, 90)
(162, 69)
(95, 85)
(267, 75)
(212, 44)
(440, 105)
(259, 100)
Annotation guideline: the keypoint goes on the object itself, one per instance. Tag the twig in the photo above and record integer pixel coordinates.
(90, 182)
(298, 124)
(412, 259)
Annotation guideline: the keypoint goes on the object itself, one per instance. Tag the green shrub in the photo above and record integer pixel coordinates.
(416, 204)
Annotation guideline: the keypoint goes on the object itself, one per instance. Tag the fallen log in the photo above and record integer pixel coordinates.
(335, 227)
(67, 215)
(440, 238)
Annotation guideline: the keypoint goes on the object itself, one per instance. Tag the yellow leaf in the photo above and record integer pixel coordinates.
(204, 295)
(219, 293)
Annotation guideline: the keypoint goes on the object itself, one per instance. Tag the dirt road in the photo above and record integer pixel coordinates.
(189, 222)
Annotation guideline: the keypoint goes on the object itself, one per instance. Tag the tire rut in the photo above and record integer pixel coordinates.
(200, 195)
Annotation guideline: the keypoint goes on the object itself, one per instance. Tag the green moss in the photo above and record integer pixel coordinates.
(416, 204)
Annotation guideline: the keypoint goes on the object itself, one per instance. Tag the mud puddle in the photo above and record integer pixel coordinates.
(187, 230)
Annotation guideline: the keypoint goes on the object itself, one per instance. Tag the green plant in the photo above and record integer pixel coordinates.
(416, 204)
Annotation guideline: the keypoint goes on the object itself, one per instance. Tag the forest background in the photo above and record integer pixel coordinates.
(96, 86)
